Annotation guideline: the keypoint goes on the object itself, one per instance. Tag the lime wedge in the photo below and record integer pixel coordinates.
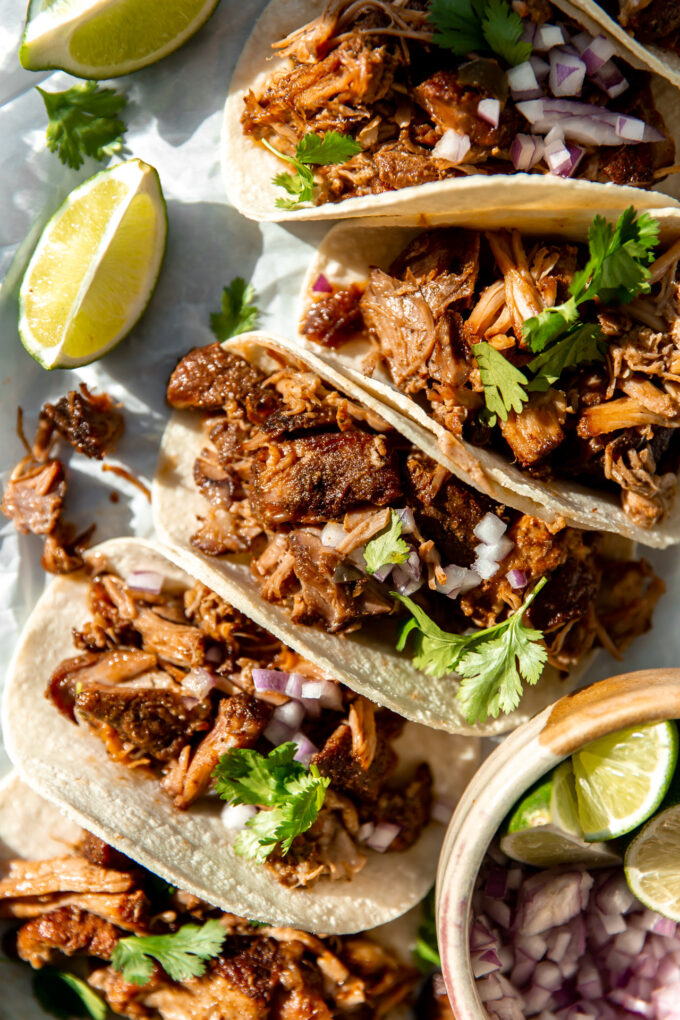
(652, 866)
(107, 38)
(622, 778)
(544, 829)
(94, 268)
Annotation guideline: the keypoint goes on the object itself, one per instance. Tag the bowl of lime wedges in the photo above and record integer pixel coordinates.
(558, 892)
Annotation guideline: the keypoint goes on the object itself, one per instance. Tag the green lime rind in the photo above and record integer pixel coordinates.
(652, 863)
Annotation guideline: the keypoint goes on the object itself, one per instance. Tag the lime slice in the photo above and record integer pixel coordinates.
(622, 778)
(94, 268)
(652, 866)
(107, 38)
(544, 829)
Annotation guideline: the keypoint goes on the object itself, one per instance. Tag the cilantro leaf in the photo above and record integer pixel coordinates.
(276, 781)
(239, 314)
(503, 383)
(83, 121)
(582, 345)
(542, 329)
(311, 150)
(502, 28)
(491, 663)
(426, 951)
(463, 26)
(182, 955)
(64, 995)
(387, 547)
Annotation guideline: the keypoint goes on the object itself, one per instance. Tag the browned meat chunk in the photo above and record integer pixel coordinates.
(327, 848)
(408, 807)
(444, 262)
(334, 318)
(537, 431)
(398, 314)
(399, 169)
(453, 104)
(63, 549)
(34, 496)
(338, 759)
(109, 668)
(60, 874)
(280, 423)
(656, 22)
(568, 595)
(97, 852)
(627, 164)
(322, 477)
(183, 645)
(89, 422)
(154, 722)
(208, 377)
(68, 931)
(214, 482)
(253, 969)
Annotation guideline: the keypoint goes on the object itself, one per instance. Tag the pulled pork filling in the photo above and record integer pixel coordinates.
(305, 479)
(650, 21)
(83, 904)
(371, 72)
(171, 681)
(612, 425)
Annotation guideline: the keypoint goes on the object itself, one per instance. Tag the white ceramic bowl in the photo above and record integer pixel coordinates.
(650, 695)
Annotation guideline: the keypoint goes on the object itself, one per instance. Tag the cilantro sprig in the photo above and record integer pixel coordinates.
(426, 950)
(616, 272)
(293, 794)
(239, 313)
(182, 955)
(84, 121)
(387, 547)
(492, 663)
(65, 995)
(479, 26)
(311, 150)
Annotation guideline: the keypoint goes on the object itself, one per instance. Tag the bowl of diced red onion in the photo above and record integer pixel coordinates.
(567, 943)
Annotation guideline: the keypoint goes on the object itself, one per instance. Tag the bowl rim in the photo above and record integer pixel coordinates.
(535, 747)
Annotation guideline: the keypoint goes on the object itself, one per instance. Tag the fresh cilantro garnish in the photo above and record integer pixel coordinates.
(464, 26)
(294, 795)
(426, 951)
(581, 346)
(64, 995)
(83, 121)
(616, 272)
(182, 954)
(387, 547)
(311, 150)
(503, 383)
(239, 314)
(491, 663)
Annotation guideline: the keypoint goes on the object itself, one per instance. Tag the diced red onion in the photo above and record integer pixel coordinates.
(517, 579)
(581, 41)
(558, 158)
(332, 534)
(452, 147)
(235, 816)
(496, 551)
(597, 53)
(294, 685)
(321, 285)
(567, 73)
(490, 529)
(522, 81)
(496, 883)
(290, 714)
(455, 578)
(581, 122)
(325, 691)
(490, 988)
(270, 680)
(383, 836)
(149, 581)
(630, 941)
(441, 811)
(498, 911)
(407, 577)
(614, 896)
(486, 568)
(547, 37)
(198, 682)
(408, 521)
(610, 79)
(383, 572)
(532, 946)
(490, 111)
(630, 1003)
(558, 943)
(541, 67)
(528, 30)
(277, 732)
(526, 151)
(305, 748)
(365, 831)
(312, 707)
(485, 964)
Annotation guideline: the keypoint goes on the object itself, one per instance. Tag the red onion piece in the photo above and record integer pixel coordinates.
(526, 151)
(490, 529)
(198, 683)
(407, 577)
(270, 680)
(149, 581)
(567, 73)
(498, 551)
(541, 67)
(408, 521)
(441, 811)
(277, 732)
(485, 964)
(235, 816)
(485, 567)
(547, 37)
(365, 831)
(610, 79)
(383, 836)
(305, 748)
(326, 692)
(522, 81)
(321, 285)
(332, 534)
(597, 53)
(496, 883)
(452, 147)
(490, 111)
(290, 714)
(382, 573)
(517, 579)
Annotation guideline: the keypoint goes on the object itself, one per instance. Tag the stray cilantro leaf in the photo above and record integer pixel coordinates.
(463, 26)
(541, 330)
(311, 150)
(387, 547)
(64, 995)
(276, 781)
(83, 121)
(503, 383)
(239, 314)
(582, 345)
(426, 951)
(491, 663)
(182, 955)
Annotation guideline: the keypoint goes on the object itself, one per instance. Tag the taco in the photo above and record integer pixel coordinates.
(279, 477)
(99, 930)
(648, 29)
(453, 327)
(341, 109)
(160, 695)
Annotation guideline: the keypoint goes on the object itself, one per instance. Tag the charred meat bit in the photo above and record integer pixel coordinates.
(334, 318)
(208, 377)
(408, 807)
(34, 496)
(338, 760)
(97, 852)
(89, 422)
(67, 931)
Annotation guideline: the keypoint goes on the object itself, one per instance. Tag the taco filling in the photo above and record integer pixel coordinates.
(182, 684)
(650, 21)
(563, 361)
(348, 523)
(151, 952)
(386, 95)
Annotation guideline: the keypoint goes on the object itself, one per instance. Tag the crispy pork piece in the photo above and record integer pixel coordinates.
(537, 431)
(208, 377)
(452, 104)
(444, 262)
(327, 848)
(322, 477)
(334, 318)
(339, 760)
(114, 667)
(67, 931)
(34, 496)
(89, 422)
(408, 807)
(176, 642)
